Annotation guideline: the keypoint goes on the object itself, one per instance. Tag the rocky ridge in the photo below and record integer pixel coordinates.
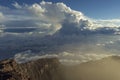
(43, 69)
(51, 69)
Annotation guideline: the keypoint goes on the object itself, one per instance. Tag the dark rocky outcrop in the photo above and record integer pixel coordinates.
(43, 69)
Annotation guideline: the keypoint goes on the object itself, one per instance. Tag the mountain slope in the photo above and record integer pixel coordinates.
(43, 69)
(51, 69)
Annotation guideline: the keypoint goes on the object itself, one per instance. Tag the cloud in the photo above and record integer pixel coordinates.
(16, 5)
(55, 14)
(37, 9)
(3, 8)
(113, 23)
(53, 18)
(64, 57)
(55, 28)
(29, 56)
(1, 16)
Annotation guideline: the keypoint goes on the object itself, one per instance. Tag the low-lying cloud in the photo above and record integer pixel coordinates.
(64, 57)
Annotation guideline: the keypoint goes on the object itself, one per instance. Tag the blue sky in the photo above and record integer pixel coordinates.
(97, 9)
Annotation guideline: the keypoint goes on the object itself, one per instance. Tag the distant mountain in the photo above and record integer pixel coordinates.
(51, 69)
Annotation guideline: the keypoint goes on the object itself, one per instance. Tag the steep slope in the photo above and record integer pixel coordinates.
(43, 69)
(51, 69)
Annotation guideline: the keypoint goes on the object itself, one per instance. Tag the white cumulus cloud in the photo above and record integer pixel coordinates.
(55, 14)
(50, 17)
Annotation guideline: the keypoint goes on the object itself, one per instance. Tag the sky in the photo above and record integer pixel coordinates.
(97, 9)
(50, 16)
(52, 25)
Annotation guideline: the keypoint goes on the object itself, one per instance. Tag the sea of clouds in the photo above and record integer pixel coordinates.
(64, 57)
(57, 31)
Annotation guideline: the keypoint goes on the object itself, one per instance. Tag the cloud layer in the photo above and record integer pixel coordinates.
(49, 18)
(65, 57)
(55, 28)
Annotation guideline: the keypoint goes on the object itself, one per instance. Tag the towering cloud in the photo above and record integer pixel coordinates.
(49, 18)
(56, 14)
